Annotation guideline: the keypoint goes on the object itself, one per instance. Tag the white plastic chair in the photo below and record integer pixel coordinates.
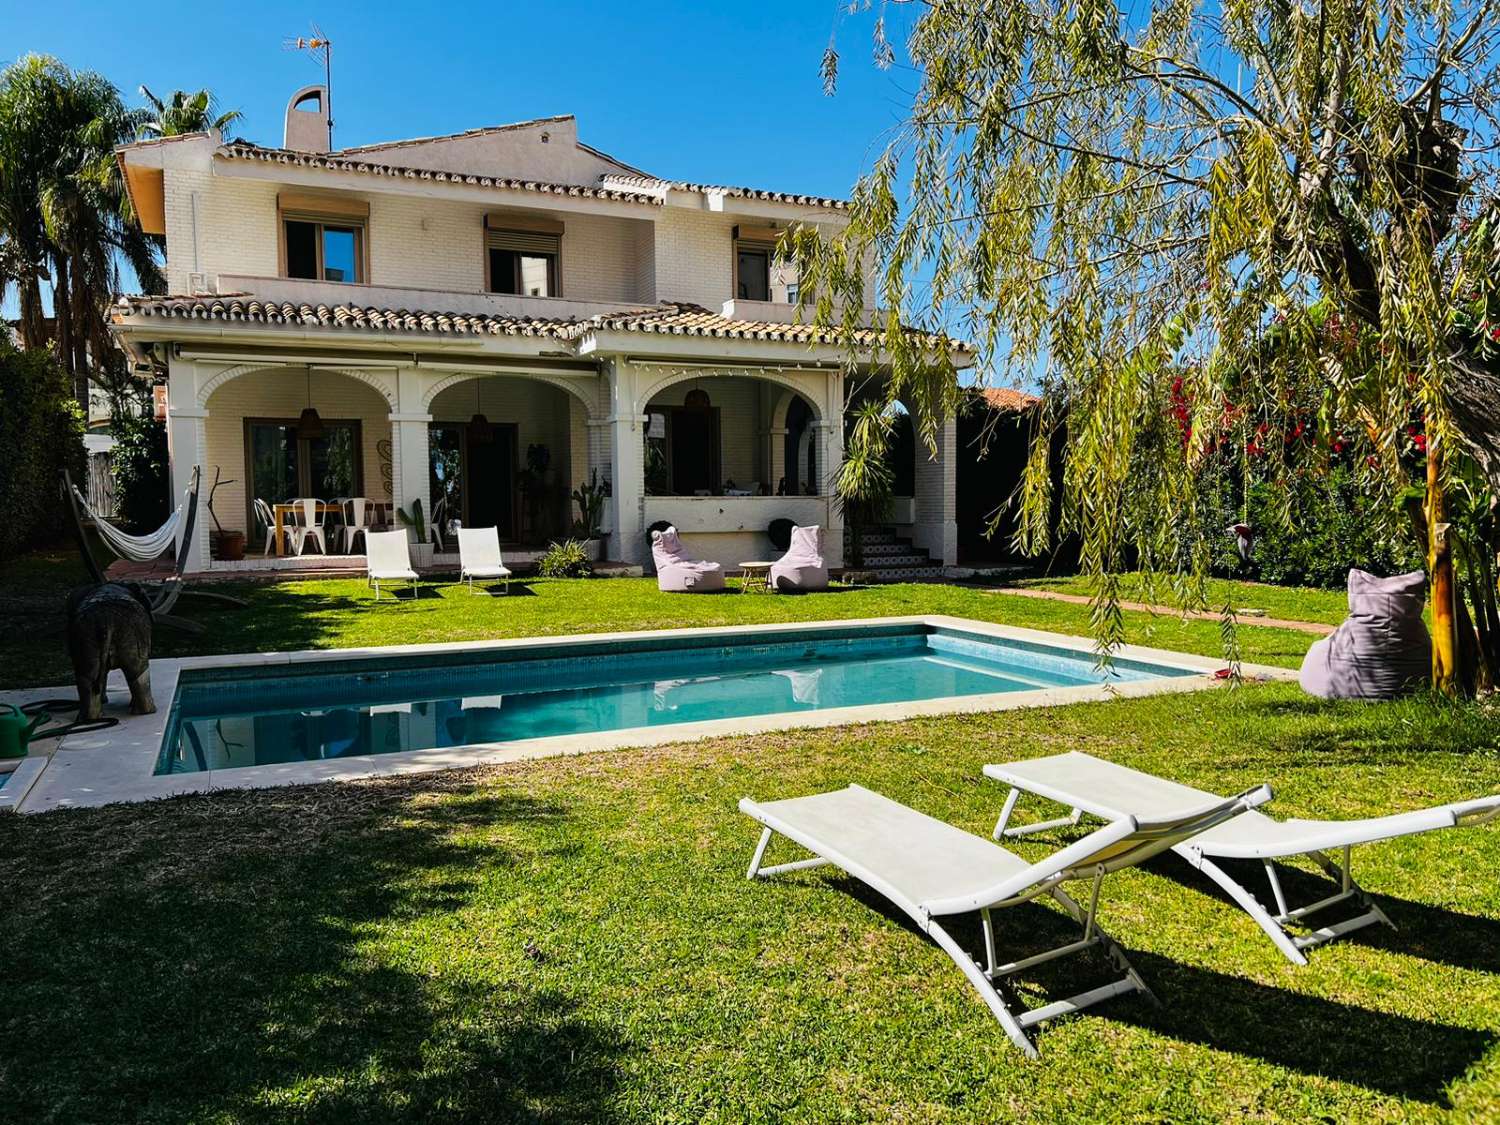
(307, 524)
(479, 556)
(388, 559)
(264, 514)
(356, 520)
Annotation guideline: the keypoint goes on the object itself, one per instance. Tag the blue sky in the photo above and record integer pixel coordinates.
(720, 92)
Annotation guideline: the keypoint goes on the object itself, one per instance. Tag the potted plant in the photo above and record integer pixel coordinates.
(226, 545)
(589, 525)
(416, 523)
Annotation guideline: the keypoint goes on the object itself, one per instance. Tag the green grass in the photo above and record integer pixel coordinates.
(574, 939)
(1288, 603)
(341, 614)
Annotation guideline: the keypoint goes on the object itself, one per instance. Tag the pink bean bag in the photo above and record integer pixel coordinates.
(676, 573)
(802, 567)
(1381, 650)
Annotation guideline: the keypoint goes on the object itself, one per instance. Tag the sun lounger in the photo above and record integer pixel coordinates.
(1089, 785)
(933, 871)
(679, 573)
(388, 559)
(479, 556)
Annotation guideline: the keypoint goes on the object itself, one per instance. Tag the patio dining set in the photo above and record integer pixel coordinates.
(335, 526)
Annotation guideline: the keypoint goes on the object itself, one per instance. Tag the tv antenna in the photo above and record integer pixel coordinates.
(320, 47)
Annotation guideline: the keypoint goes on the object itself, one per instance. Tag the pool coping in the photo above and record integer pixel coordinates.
(116, 765)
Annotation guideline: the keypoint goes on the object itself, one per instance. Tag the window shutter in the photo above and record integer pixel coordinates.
(521, 241)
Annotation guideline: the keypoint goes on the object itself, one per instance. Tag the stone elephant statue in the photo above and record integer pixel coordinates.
(109, 626)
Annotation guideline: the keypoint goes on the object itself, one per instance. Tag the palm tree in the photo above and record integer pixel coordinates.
(64, 213)
(184, 112)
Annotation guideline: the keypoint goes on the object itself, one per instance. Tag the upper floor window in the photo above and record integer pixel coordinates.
(523, 255)
(323, 238)
(754, 262)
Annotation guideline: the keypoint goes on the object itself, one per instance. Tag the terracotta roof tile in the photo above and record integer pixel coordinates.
(333, 162)
(670, 319)
(243, 308)
(654, 185)
(677, 319)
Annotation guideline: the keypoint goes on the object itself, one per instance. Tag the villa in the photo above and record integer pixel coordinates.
(490, 320)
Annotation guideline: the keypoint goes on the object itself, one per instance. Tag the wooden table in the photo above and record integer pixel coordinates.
(755, 575)
(376, 511)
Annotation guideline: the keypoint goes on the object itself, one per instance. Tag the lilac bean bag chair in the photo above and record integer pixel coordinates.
(802, 567)
(676, 573)
(1381, 650)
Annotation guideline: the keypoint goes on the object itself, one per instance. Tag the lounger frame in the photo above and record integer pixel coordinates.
(1016, 1020)
(1274, 922)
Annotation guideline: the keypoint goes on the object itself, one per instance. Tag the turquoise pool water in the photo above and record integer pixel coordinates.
(225, 718)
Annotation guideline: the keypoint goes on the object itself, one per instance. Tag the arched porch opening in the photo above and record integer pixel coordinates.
(503, 453)
(254, 438)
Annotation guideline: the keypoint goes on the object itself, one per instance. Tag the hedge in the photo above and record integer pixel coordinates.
(41, 433)
(143, 483)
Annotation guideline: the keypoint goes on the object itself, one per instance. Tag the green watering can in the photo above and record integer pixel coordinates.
(16, 730)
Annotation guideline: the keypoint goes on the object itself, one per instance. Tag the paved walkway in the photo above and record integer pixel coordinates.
(1315, 627)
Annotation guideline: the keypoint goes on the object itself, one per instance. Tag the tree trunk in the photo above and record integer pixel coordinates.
(1445, 637)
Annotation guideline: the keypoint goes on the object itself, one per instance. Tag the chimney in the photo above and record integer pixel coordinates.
(307, 121)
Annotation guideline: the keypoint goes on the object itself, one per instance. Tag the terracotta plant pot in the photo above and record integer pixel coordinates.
(229, 546)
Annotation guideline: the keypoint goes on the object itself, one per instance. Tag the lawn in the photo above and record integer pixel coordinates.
(1288, 603)
(342, 613)
(574, 939)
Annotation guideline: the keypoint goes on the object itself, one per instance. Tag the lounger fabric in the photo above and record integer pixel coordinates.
(1381, 650)
(932, 870)
(1110, 791)
(677, 572)
(802, 567)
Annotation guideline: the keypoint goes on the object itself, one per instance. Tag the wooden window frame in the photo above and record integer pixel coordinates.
(291, 423)
(324, 211)
(524, 224)
(752, 238)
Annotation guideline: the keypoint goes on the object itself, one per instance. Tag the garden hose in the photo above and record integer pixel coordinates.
(48, 706)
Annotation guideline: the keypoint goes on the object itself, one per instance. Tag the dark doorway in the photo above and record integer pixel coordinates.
(490, 481)
(800, 473)
(694, 444)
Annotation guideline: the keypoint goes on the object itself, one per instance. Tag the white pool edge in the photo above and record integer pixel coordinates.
(116, 765)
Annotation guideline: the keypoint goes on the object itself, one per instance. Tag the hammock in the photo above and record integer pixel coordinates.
(140, 548)
(147, 548)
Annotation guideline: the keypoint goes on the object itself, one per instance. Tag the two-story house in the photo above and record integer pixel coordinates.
(488, 320)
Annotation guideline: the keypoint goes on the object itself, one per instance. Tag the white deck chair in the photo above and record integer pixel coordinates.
(388, 559)
(932, 870)
(479, 556)
(1104, 789)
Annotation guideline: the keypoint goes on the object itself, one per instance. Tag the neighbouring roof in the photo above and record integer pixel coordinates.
(668, 319)
(334, 162)
(1008, 399)
(656, 185)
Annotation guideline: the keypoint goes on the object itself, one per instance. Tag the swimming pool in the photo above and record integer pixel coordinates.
(231, 717)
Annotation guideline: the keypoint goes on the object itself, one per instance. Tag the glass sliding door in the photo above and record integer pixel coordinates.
(281, 466)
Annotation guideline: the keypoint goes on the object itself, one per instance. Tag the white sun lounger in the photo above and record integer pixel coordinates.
(388, 559)
(1103, 789)
(479, 556)
(932, 870)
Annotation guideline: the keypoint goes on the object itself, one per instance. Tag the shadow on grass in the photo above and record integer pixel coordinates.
(1431, 933)
(1394, 1054)
(151, 977)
